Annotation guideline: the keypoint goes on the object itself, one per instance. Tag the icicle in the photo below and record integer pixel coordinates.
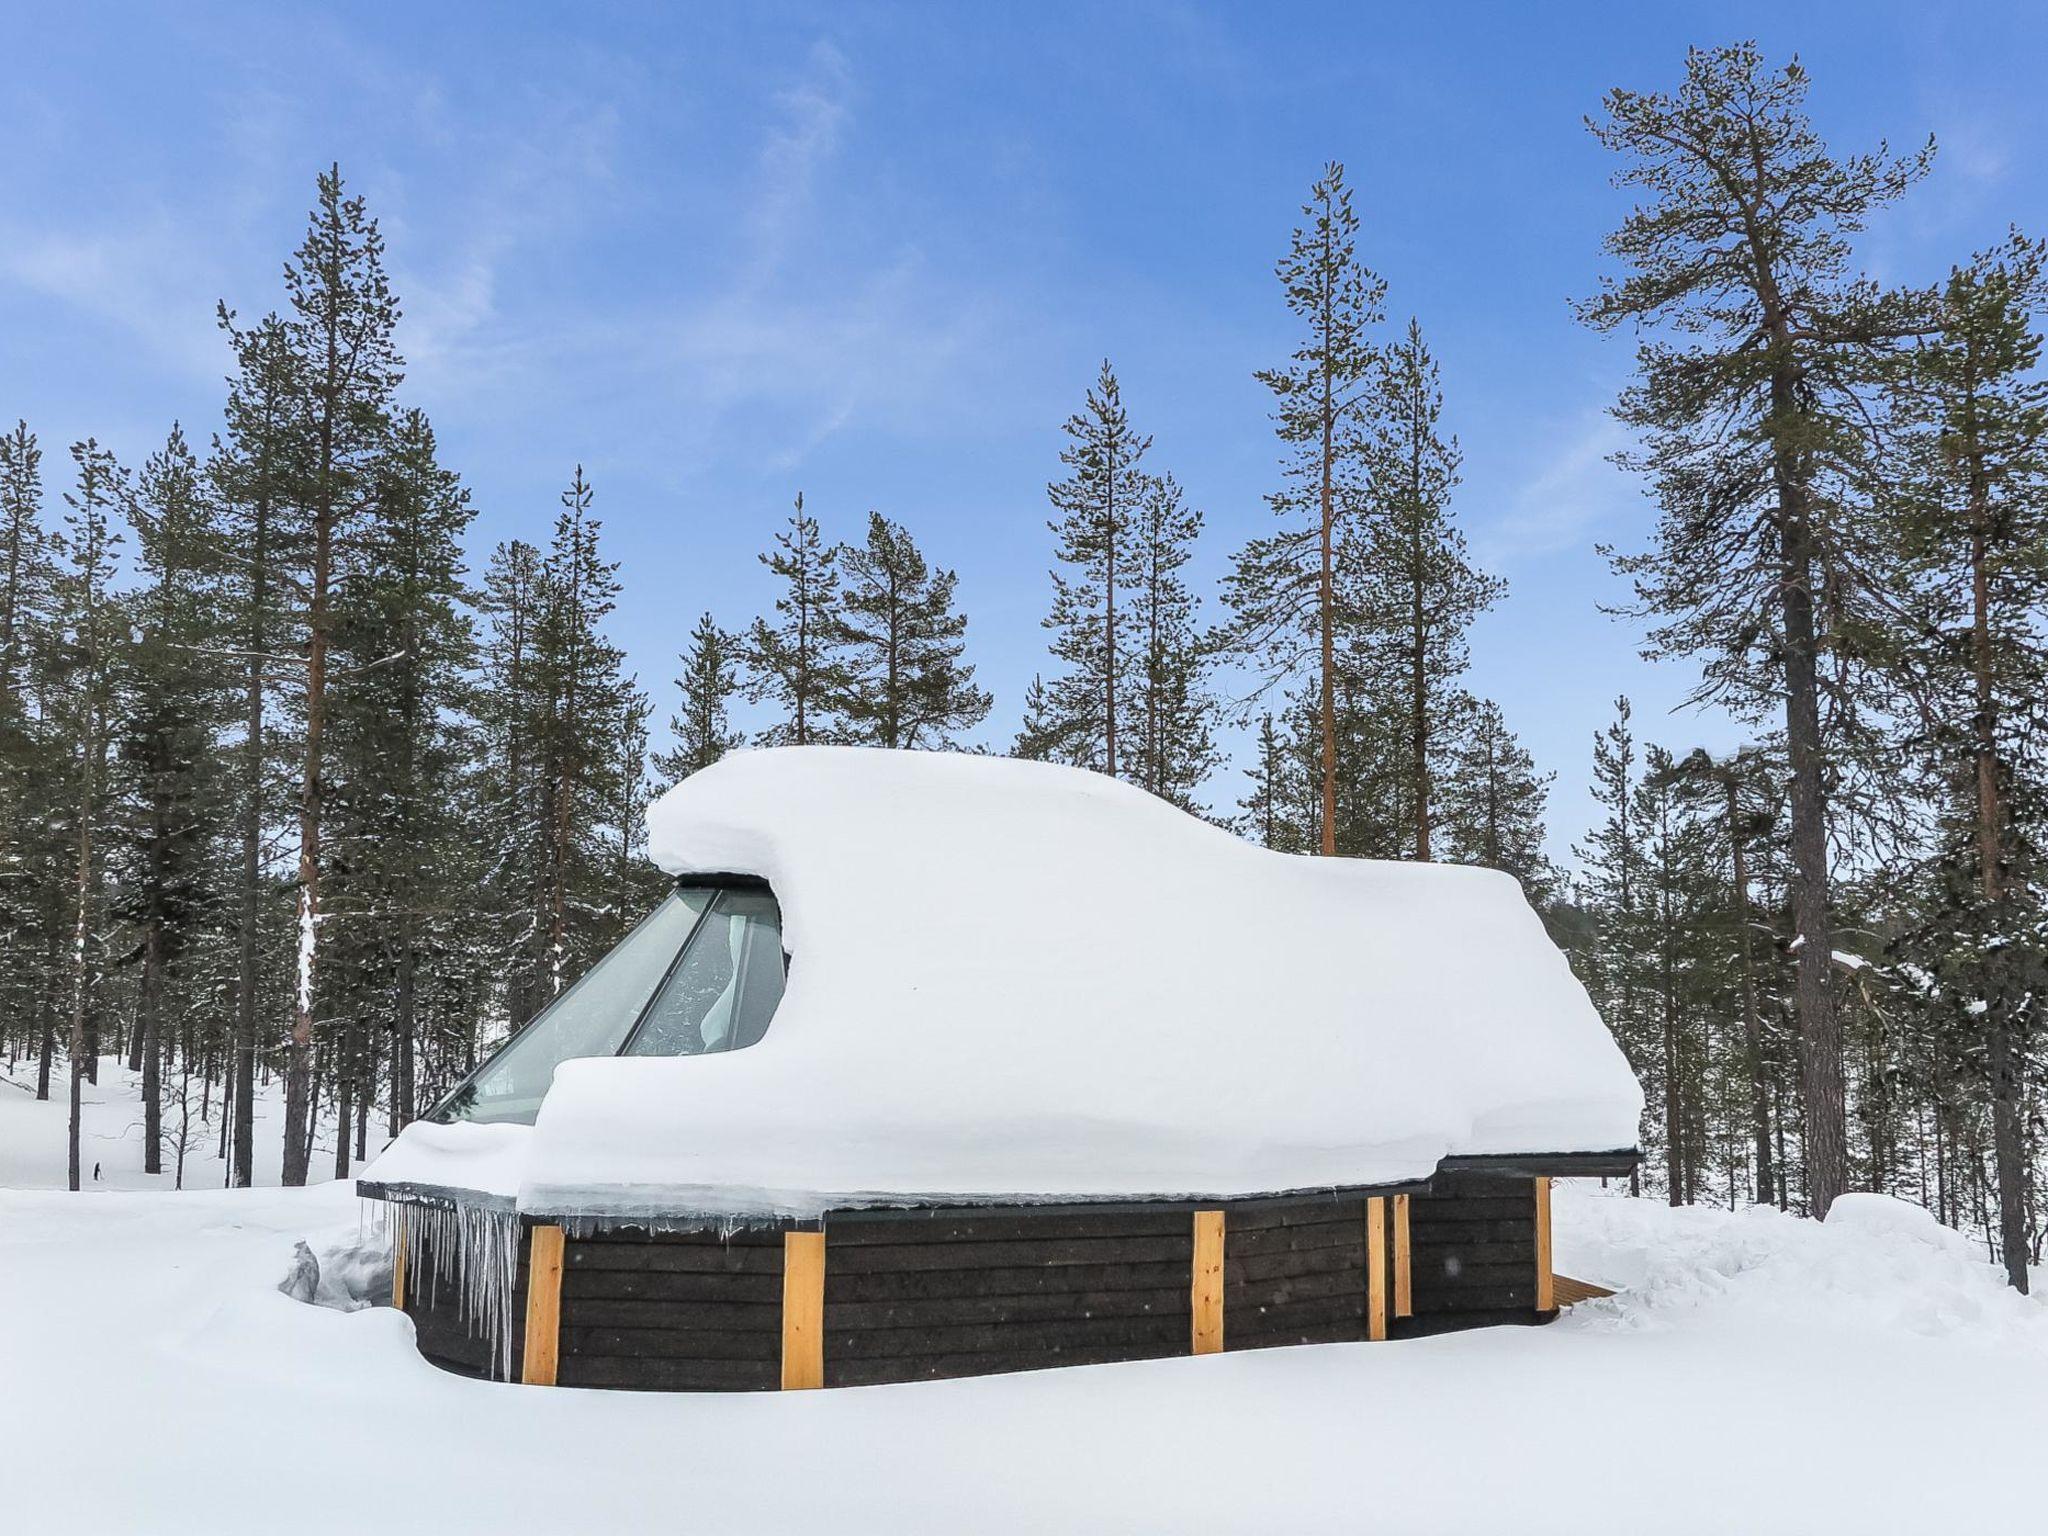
(474, 1251)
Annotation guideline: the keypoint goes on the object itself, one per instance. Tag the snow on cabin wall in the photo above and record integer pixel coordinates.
(1015, 980)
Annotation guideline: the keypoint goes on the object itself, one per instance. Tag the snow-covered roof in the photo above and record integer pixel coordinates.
(1014, 980)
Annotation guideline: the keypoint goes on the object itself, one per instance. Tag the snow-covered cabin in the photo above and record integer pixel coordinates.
(935, 1064)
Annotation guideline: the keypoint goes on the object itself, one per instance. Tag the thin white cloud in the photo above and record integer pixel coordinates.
(151, 280)
(1570, 496)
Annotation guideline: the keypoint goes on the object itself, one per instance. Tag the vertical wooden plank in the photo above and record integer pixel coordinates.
(1546, 1279)
(803, 1310)
(1404, 1287)
(398, 1262)
(1206, 1291)
(543, 1307)
(1376, 1267)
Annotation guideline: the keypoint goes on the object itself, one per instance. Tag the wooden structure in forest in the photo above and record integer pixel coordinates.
(994, 1024)
(872, 1296)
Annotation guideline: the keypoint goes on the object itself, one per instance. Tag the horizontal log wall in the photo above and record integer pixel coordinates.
(1295, 1274)
(970, 1293)
(677, 1312)
(1472, 1253)
(966, 1296)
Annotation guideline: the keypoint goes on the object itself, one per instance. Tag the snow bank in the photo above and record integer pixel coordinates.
(1875, 1265)
(158, 1384)
(1015, 980)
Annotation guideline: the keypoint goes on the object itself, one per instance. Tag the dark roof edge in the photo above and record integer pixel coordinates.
(1534, 1164)
(1560, 1165)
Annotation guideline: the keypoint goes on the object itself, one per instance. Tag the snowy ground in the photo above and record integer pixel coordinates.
(1761, 1375)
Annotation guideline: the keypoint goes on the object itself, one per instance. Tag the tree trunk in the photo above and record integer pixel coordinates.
(79, 986)
(344, 1094)
(299, 1065)
(1109, 621)
(1327, 598)
(2003, 1056)
(1820, 1036)
(148, 1027)
(1752, 1023)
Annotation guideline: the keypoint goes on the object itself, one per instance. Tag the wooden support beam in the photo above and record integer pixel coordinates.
(1546, 1279)
(398, 1262)
(1376, 1267)
(1404, 1285)
(803, 1310)
(1206, 1292)
(543, 1307)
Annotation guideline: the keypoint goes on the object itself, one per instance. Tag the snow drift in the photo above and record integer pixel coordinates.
(1013, 980)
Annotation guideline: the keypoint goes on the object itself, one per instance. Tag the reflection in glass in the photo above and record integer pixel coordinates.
(725, 986)
(702, 973)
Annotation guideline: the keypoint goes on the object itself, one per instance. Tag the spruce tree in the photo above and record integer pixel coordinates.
(510, 710)
(1289, 609)
(1973, 538)
(579, 692)
(29, 764)
(1610, 885)
(1418, 589)
(401, 846)
(904, 684)
(1494, 802)
(89, 636)
(1173, 716)
(1091, 619)
(171, 712)
(700, 725)
(795, 661)
(1045, 735)
(1752, 402)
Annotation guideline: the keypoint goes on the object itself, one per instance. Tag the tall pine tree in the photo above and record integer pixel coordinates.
(1289, 610)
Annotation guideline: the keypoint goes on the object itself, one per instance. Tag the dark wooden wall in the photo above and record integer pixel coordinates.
(971, 1293)
(1294, 1274)
(1472, 1253)
(681, 1312)
(1010, 1291)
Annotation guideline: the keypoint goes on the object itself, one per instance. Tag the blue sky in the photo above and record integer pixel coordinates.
(875, 253)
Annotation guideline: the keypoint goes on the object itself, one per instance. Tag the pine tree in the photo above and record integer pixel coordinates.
(255, 472)
(1098, 503)
(1418, 590)
(700, 726)
(1289, 610)
(340, 335)
(1755, 417)
(795, 661)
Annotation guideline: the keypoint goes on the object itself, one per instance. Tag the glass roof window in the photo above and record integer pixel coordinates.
(703, 972)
